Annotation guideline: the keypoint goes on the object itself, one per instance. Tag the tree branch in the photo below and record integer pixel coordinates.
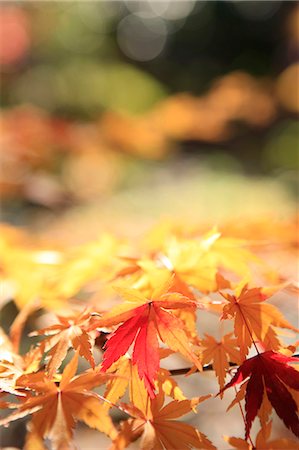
(205, 368)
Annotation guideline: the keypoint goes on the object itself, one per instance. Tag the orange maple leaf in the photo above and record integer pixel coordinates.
(262, 441)
(220, 353)
(158, 429)
(253, 318)
(13, 365)
(128, 377)
(71, 331)
(55, 407)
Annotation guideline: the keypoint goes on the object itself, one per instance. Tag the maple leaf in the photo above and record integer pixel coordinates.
(146, 275)
(143, 320)
(55, 275)
(33, 441)
(196, 261)
(27, 277)
(253, 317)
(86, 263)
(19, 322)
(262, 441)
(13, 365)
(55, 409)
(269, 372)
(71, 331)
(158, 429)
(220, 353)
(127, 376)
(10, 372)
(168, 385)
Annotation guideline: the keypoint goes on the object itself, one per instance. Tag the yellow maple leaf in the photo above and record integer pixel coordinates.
(127, 377)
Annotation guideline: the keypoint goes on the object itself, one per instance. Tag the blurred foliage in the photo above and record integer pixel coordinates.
(282, 148)
(91, 89)
(85, 87)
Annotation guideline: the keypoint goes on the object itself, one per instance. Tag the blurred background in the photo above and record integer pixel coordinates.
(118, 114)
(144, 109)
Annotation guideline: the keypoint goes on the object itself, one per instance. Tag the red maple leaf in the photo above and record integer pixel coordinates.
(142, 327)
(269, 371)
(142, 321)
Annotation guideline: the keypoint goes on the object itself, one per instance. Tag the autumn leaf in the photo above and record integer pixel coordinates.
(262, 441)
(56, 408)
(18, 324)
(33, 441)
(28, 275)
(143, 321)
(85, 263)
(271, 373)
(158, 429)
(70, 332)
(253, 317)
(197, 261)
(147, 274)
(220, 353)
(163, 290)
(128, 377)
(13, 365)
(54, 275)
(168, 385)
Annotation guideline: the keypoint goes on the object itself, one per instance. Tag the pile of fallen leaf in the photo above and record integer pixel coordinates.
(121, 308)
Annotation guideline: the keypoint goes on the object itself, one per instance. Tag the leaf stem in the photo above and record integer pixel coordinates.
(205, 368)
(248, 329)
(243, 417)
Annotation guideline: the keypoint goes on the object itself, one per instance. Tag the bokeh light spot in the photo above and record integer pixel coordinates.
(142, 36)
(14, 35)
